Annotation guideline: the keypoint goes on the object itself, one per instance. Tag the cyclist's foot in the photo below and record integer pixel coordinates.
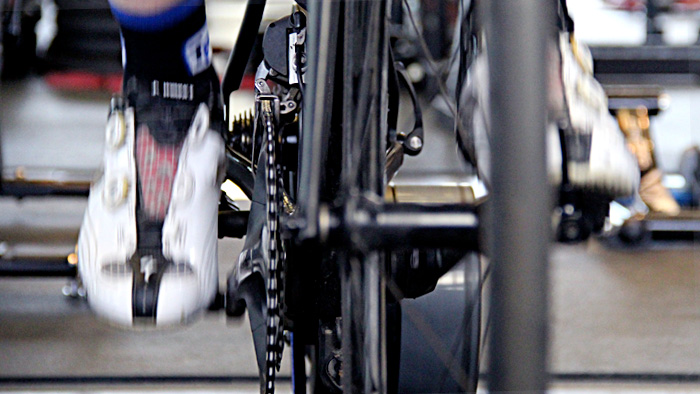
(147, 247)
(597, 155)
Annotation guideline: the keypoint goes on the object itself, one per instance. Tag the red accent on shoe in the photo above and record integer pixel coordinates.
(157, 165)
(627, 5)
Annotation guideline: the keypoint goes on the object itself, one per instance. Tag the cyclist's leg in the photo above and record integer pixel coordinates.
(148, 243)
(144, 8)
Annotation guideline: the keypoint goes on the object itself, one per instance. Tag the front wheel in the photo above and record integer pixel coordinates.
(441, 334)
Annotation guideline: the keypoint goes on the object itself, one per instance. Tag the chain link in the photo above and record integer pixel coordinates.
(274, 340)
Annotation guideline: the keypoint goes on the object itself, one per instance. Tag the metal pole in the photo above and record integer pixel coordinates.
(37, 267)
(654, 34)
(322, 35)
(519, 34)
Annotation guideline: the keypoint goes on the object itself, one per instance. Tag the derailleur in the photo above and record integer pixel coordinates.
(281, 73)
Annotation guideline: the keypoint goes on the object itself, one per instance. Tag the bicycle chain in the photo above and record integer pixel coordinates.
(274, 341)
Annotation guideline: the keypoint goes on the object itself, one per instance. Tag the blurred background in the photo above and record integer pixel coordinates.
(624, 305)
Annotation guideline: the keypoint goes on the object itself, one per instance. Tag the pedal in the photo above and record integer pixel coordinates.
(331, 355)
(233, 301)
(233, 224)
(219, 303)
(580, 214)
(572, 225)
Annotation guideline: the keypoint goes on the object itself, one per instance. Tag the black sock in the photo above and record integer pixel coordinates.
(167, 70)
(173, 45)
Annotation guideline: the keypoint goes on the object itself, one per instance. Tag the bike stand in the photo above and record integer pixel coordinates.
(36, 182)
(659, 227)
(37, 267)
(649, 101)
(20, 182)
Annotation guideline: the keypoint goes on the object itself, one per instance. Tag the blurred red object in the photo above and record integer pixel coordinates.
(687, 5)
(640, 5)
(81, 81)
(86, 81)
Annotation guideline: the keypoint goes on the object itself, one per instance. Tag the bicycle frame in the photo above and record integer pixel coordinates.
(360, 224)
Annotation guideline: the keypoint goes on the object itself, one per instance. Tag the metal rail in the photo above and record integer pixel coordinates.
(29, 181)
(37, 267)
(647, 59)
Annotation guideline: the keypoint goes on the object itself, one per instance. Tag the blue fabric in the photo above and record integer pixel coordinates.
(155, 23)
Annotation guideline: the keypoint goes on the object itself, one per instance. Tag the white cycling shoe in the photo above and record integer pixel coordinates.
(598, 157)
(168, 285)
(596, 153)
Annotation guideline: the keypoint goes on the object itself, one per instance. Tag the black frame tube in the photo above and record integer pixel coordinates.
(241, 173)
(238, 61)
(37, 267)
(33, 189)
(405, 226)
(654, 34)
(519, 35)
(316, 118)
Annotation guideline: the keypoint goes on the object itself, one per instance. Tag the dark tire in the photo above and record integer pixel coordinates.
(440, 336)
(366, 326)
